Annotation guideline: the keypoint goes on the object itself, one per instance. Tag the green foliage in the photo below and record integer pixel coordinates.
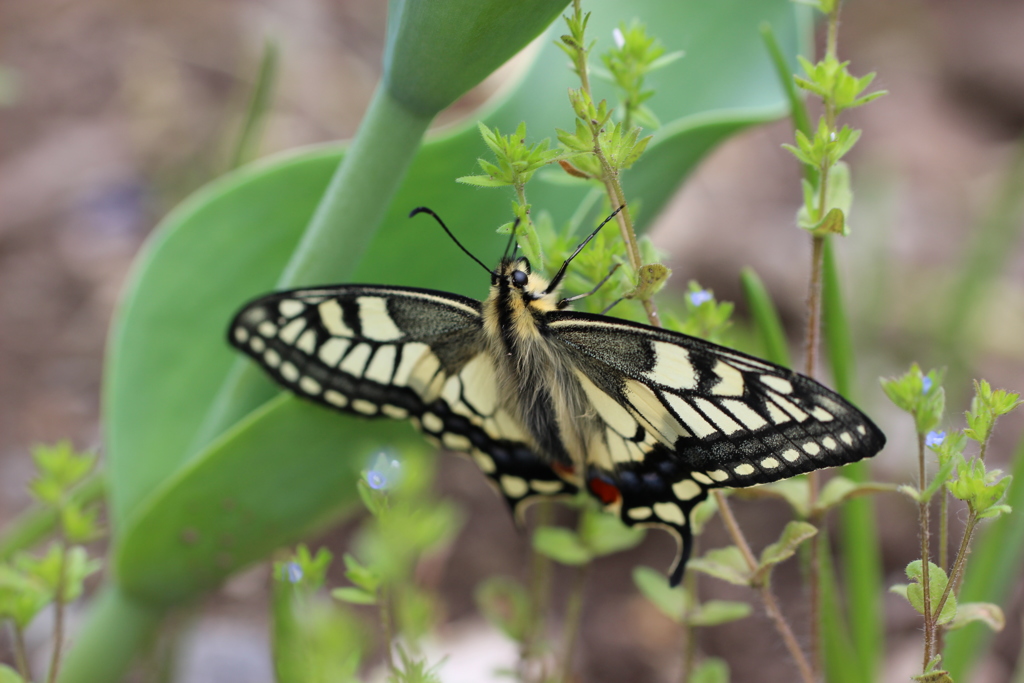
(702, 315)
(517, 161)
(60, 468)
(920, 394)
(986, 613)
(980, 489)
(599, 534)
(676, 604)
(505, 603)
(711, 670)
(986, 406)
(830, 80)
(634, 55)
(914, 592)
(414, 670)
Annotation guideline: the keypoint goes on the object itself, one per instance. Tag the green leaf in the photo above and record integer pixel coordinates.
(717, 612)
(22, 595)
(605, 534)
(986, 613)
(781, 550)
(937, 581)
(9, 675)
(711, 670)
(672, 602)
(840, 489)
(561, 545)
(726, 564)
(355, 596)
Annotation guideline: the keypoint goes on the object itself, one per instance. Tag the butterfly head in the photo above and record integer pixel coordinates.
(516, 277)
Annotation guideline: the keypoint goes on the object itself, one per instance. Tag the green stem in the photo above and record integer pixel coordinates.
(21, 653)
(58, 614)
(539, 589)
(259, 104)
(922, 514)
(573, 614)
(346, 219)
(387, 631)
(958, 564)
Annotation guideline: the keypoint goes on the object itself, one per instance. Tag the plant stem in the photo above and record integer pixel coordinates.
(813, 478)
(58, 614)
(21, 653)
(764, 588)
(573, 614)
(923, 514)
(958, 563)
(384, 606)
(539, 589)
(687, 634)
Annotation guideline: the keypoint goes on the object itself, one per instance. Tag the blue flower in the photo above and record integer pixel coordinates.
(926, 384)
(700, 296)
(293, 572)
(620, 40)
(383, 473)
(934, 439)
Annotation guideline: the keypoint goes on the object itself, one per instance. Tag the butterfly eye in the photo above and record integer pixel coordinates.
(519, 278)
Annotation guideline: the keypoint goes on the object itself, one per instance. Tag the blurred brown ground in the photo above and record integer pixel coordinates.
(118, 110)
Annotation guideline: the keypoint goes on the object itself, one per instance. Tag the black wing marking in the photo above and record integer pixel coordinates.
(397, 352)
(682, 416)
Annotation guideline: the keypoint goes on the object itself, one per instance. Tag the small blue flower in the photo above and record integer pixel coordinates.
(383, 473)
(926, 384)
(620, 40)
(934, 439)
(700, 296)
(293, 572)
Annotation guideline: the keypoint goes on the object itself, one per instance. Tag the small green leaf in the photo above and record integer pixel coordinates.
(672, 602)
(364, 577)
(605, 534)
(22, 595)
(726, 564)
(984, 612)
(481, 181)
(561, 545)
(716, 612)
(937, 581)
(839, 489)
(792, 536)
(9, 675)
(353, 595)
(711, 670)
(794, 491)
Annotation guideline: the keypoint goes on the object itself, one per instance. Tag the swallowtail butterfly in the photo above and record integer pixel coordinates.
(548, 401)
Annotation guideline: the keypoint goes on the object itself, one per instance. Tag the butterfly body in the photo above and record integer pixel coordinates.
(548, 401)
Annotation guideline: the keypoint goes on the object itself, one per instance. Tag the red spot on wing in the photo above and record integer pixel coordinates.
(605, 492)
(564, 471)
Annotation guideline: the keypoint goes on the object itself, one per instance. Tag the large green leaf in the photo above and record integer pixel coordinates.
(291, 462)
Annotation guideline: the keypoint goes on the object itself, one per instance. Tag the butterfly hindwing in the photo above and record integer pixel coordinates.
(402, 353)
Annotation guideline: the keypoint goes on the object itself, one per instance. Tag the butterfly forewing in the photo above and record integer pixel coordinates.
(402, 353)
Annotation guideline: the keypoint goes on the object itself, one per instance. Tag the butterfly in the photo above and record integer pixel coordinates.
(548, 401)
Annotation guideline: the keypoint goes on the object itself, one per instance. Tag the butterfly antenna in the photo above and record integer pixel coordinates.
(423, 209)
(511, 241)
(561, 271)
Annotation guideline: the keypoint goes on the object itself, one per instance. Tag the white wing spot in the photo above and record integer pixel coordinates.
(290, 307)
(791, 455)
(241, 335)
(686, 489)
(779, 384)
(514, 487)
(829, 443)
(290, 332)
(310, 385)
(365, 407)
(721, 420)
(744, 469)
(455, 442)
(331, 318)
(394, 411)
(862, 430)
(770, 463)
(702, 478)
(355, 361)
(730, 380)
(639, 513)
(382, 365)
(670, 512)
(846, 438)
(545, 486)
(693, 420)
(375, 320)
(484, 462)
(718, 475)
(257, 344)
(272, 358)
(334, 398)
(811, 448)
(289, 371)
(307, 342)
(332, 350)
(267, 328)
(744, 413)
(672, 367)
(821, 414)
(432, 423)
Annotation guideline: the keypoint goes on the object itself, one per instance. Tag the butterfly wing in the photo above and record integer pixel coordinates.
(682, 415)
(397, 352)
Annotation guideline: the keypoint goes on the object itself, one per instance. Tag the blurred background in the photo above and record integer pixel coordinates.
(112, 112)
